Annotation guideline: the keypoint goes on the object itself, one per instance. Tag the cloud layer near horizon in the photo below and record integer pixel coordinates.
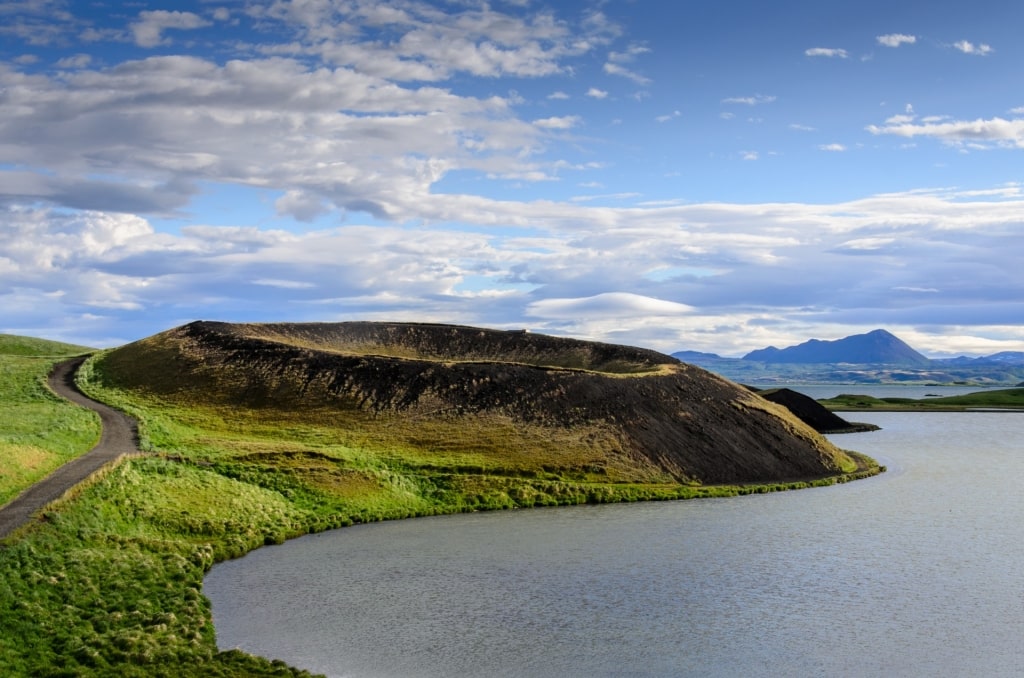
(752, 273)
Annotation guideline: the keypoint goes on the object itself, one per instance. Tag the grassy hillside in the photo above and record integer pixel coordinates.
(441, 398)
(39, 431)
(109, 581)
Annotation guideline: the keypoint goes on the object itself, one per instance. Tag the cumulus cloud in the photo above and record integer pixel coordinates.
(896, 39)
(834, 148)
(148, 31)
(355, 141)
(596, 93)
(970, 48)
(830, 52)
(419, 42)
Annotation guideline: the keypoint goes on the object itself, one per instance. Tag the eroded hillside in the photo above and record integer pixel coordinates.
(519, 401)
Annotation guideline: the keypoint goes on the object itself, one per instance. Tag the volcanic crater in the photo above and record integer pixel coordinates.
(629, 413)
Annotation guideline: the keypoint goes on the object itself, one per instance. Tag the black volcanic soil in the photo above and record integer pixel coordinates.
(811, 412)
(690, 423)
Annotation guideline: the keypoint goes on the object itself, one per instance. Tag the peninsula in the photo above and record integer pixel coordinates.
(251, 434)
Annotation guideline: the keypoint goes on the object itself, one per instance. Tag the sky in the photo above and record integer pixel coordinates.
(717, 176)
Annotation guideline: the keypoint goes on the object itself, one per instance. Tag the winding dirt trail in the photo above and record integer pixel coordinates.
(119, 436)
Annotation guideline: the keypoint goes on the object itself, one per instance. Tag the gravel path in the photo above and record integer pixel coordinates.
(119, 436)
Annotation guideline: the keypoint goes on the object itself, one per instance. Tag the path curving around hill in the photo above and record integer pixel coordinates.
(119, 436)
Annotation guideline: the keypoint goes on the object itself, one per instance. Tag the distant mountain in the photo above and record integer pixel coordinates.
(1002, 358)
(874, 358)
(874, 348)
(696, 357)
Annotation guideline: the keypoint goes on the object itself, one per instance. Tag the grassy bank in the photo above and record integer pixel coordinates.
(109, 582)
(39, 431)
(1010, 399)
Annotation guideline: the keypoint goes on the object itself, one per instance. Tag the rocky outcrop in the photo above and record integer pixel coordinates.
(811, 412)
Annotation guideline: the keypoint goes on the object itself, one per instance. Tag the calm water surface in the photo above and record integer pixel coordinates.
(918, 572)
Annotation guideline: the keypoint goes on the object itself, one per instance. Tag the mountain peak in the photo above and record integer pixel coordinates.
(878, 347)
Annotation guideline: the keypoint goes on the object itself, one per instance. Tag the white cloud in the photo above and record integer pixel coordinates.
(614, 65)
(617, 305)
(429, 44)
(148, 30)
(970, 48)
(558, 122)
(994, 131)
(76, 61)
(301, 205)
(802, 128)
(755, 100)
(865, 244)
(834, 148)
(667, 117)
(612, 68)
(899, 119)
(896, 39)
(596, 93)
(558, 96)
(750, 155)
(260, 123)
(830, 52)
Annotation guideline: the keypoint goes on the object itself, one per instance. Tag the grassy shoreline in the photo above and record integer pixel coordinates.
(1001, 400)
(109, 581)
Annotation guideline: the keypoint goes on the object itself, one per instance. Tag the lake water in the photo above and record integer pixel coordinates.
(917, 572)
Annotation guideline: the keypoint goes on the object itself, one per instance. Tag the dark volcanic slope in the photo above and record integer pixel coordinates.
(654, 409)
(811, 412)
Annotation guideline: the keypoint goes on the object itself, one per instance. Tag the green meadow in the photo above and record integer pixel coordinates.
(108, 581)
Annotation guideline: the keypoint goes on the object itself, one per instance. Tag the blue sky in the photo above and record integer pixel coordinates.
(715, 176)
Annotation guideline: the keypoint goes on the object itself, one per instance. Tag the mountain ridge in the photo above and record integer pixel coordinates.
(877, 357)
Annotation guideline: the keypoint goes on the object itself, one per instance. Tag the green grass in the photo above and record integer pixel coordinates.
(39, 431)
(109, 581)
(1004, 399)
(11, 344)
